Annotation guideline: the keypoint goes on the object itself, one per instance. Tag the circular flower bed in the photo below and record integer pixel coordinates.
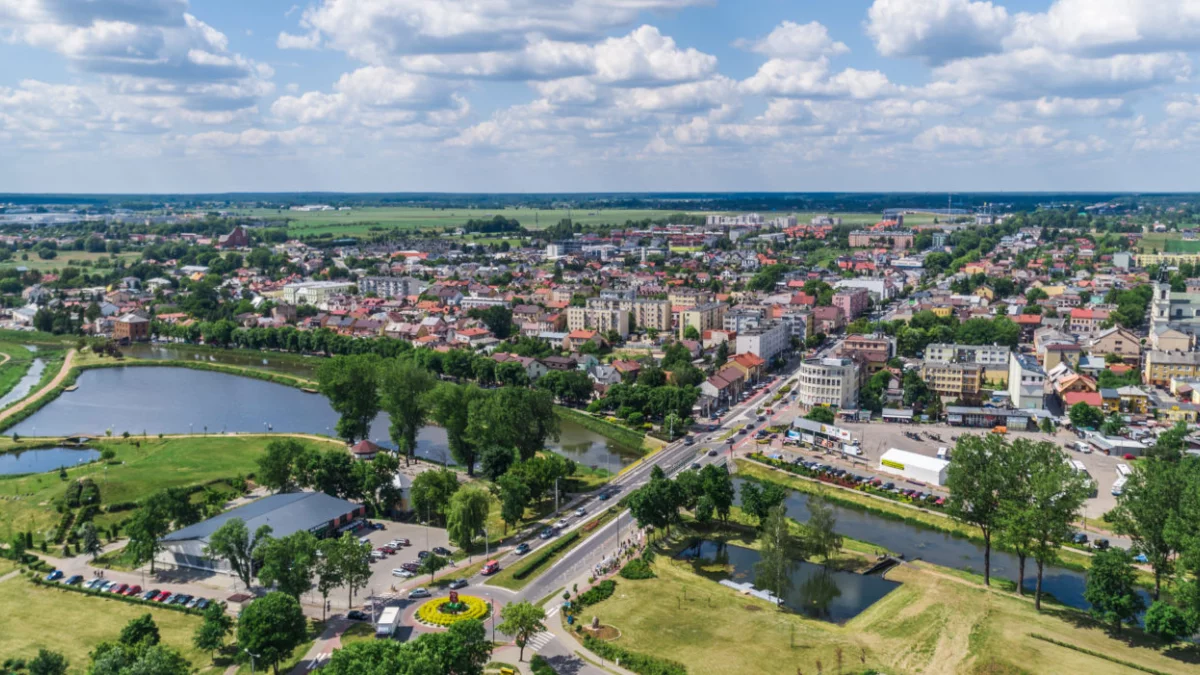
(441, 612)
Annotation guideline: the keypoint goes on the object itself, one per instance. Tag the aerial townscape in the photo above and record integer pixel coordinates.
(599, 337)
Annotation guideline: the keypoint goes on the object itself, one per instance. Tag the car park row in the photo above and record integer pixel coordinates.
(102, 585)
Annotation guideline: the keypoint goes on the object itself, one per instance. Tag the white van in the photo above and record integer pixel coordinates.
(1085, 448)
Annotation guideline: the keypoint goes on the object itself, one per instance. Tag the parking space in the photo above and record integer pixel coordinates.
(420, 538)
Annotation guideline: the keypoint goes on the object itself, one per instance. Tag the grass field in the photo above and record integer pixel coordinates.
(63, 259)
(931, 624)
(27, 502)
(73, 623)
(15, 367)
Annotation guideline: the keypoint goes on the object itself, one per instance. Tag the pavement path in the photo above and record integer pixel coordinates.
(58, 379)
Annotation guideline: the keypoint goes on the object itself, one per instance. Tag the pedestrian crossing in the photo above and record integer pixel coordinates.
(539, 641)
(553, 611)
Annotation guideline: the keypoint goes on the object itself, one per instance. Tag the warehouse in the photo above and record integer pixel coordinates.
(915, 467)
(314, 512)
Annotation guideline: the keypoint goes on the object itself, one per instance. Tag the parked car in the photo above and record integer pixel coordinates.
(54, 575)
(93, 584)
(119, 589)
(1128, 456)
(355, 615)
(180, 599)
(457, 584)
(401, 572)
(421, 555)
(418, 593)
(386, 549)
(1080, 538)
(163, 597)
(150, 595)
(203, 604)
(441, 550)
(191, 604)
(410, 566)
(132, 591)
(1100, 544)
(74, 580)
(522, 549)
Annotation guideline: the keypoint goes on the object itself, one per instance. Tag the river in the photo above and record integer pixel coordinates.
(151, 400)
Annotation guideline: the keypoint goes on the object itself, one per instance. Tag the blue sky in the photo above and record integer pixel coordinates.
(598, 95)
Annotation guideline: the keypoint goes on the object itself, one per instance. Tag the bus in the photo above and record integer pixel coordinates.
(1078, 467)
(1119, 486)
(1124, 471)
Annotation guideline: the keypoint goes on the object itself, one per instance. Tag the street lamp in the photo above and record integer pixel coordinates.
(252, 657)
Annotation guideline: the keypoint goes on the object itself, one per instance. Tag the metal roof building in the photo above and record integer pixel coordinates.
(287, 513)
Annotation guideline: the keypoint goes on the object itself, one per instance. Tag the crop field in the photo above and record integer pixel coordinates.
(63, 260)
(364, 220)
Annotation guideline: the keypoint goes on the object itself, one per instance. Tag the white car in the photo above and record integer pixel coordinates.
(418, 593)
(403, 573)
(562, 524)
(580, 512)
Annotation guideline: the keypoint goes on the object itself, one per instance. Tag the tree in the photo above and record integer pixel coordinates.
(718, 489)
(210, 634)
(462, 650)
(514, 418)
(146, 527)
(1167, 622)
(514, 498)
(431, 492)
(403, 386)
(114, 658)
(377, 482)
(287, 563)
(657, 502)
(1111, 589)
(821, 413)
(449, 406)
(722, 354)
(233, 543)
(759, 500)
(328, 569)
(47, 663)
(820, 539)
(1146, 511)
(466, 515)
(778, 555)
(522, 620)
(497, 318)
(1113, 426)
(431, 565)
(691, 333)
(141, 631)
(277, 467)
(270, 628)
(1056, 494)
(353, 560)
(351, 383)
(978, 482)
(90, 540)
(1084, 416)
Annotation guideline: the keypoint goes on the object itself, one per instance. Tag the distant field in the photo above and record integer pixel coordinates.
(1156, 242)
(62, 260)
(362, 220)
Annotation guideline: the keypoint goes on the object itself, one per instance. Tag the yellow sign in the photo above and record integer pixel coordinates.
(894, 465)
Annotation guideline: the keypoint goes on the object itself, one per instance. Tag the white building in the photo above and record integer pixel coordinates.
(881, 290)
(912, 466)
(766, 341)
(829, 381)
(1026, 383)
(313, 292)
(987, 355)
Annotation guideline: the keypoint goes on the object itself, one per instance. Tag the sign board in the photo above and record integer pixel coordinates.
(830, 430)
(894, 465)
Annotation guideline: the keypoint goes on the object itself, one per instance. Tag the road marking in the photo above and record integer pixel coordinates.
(539, 641)
(553, 611)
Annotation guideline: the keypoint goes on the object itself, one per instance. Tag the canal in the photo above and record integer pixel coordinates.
(151, 400)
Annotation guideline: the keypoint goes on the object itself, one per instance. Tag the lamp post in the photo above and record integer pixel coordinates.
(252, 657)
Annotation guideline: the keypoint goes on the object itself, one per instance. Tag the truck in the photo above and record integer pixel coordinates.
(388, 621)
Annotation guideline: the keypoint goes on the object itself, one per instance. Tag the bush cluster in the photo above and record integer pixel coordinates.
(637, 568)
(539, 666)
(642, 664)
(599, 592)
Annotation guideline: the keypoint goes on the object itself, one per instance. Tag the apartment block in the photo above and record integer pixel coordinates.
(1026, 382)
(829, 381)
(391, 287)
(853, 302)
(597, 319)
(961, 381)
(765, 342)
(708, 316)
(644, 314)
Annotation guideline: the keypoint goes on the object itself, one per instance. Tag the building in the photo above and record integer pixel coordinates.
(707, 316)
(725, 386)
(911, 466)
(287, 513)
(1087, 322)
(765, 342)
(1163, 338)
(1026, 382)
(1161, 367)
(482, 302)
(873, 350)
(1118, 341)
(881, 290)
(751, 366)
(984, 355)
(313, 292)
(817, 435)
(897, 240)
(237, 238)
(131, 328)
(828, 320)
(852, 301)
(688, 297)
(954, 381)
(990, 418)
(740, 319)
(391, 287)
(828, 381)
(644, 314)
(598, 319)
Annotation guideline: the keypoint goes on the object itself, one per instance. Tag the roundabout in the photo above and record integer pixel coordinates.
(443, 612)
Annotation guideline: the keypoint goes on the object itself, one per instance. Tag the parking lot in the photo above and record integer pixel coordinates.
(382, 581)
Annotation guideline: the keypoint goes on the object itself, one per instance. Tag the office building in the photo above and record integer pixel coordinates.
(829, 381)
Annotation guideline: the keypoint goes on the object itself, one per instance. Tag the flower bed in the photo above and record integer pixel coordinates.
(439, 611)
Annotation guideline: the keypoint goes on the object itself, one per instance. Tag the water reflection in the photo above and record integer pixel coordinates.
(41, 460)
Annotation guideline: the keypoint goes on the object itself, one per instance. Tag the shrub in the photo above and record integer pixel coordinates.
(642, 664)
(602, 591)
(637, 569)
(431, 612)
(539, 666)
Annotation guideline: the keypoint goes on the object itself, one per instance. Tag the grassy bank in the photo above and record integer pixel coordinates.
(629, 438)
(140, 467)
(929, 624)
(73, 623)
(15, 368)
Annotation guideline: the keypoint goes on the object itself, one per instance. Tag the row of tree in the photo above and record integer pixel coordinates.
(287, 464)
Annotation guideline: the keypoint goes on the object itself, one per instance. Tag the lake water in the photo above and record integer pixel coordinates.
(25, 384)
(298, 366)
(816, 592)
(168, 400)
(920, 543)
(44, 459)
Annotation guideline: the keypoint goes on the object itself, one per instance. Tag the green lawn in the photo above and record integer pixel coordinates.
(147, 465)
(73, 623)
(15, 368)
(62, 260)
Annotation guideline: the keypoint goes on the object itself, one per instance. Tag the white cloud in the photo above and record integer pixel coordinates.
(790, 40)
(1110, 26)
(251, 140)
(309, 40)
(792, 77)
(1188, 107)
(942, 136)
(936, 30)
(1056, 107)
(375, 96)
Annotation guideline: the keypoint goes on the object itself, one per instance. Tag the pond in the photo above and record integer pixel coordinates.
(816, 592)
(154, 400)
(25, 385)
(292, 364)
(41, 460)
(920, 543)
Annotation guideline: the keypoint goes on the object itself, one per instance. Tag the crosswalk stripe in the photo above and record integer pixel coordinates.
(539, 641)
(553, 610)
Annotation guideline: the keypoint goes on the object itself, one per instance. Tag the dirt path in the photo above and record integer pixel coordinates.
(24, 403)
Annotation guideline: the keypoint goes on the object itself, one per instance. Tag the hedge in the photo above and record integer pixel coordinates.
(642, 664)
(132, 600)
(600, 592)
(637, 568)
(545, 556)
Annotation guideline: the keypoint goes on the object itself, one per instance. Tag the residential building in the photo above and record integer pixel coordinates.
(751, 365)
(725, 386)
(987, 355)
(852, 301)
(1161, 367)
(954, 381)
(1086, 322)
(829, 381)
(1164, 338)
(131, 328)
(739, 319)
(828, 320)
(873, 350)
(707, 316)
(765, 342)
(313, 292)
(598, 319)
(881, 290)
(688, 297)
(1026, 382)
(894, 239)
(1119, 341)
(645, 314)
(391, 287)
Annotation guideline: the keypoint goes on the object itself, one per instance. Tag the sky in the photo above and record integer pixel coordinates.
(152, 96)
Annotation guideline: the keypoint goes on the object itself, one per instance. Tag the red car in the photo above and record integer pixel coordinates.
(163, 597)
(386, 549)
(132, 590)
(120, 589)
(1128, 456)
